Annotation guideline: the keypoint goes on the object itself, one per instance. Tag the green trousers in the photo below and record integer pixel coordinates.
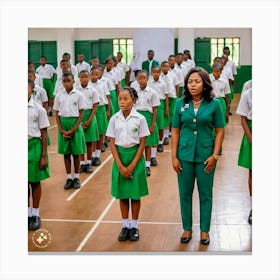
(186, 179)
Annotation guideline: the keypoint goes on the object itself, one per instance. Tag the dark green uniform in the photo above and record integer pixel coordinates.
(196, 144)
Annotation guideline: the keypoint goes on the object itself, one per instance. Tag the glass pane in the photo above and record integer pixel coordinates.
(220, 49)
(129, 41)
(115, 41)
(235, 52)
(213, 52)
(235, 40)
(123, 49)
(214, 41)
(221, 40)
(122, 41)
(129, 54)
(228, 41)
(115, 49)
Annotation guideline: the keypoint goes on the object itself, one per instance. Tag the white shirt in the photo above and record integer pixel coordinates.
(227, 73)
(170, 86)
(59, 85)
(37, 119)
(47, 71)
(74, 71)
(112, 75)
(102, 90)
(69, 104)
(184, 68)
(135, 85)
(124, 68)
(232, 66)
(179, 75)
(220, 86)
(160, 87)
(38, 80)
(247, 85)
(90, 95)
(190, 62)
(147, 99)
(40, 95)
(127, 131)
(245, 104)
(109, 83)
(83, 66)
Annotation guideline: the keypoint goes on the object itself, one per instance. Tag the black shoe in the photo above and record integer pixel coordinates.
(148, 171)
(68, 185)
(160, 148)
(35, 223)
(88, 168)
(250, 217)
(153, 162)
(124, 234)
(205, 241)
(96, 162)
(82, 168)
(186, 239)
(103, 149)
(76, 183)
(165, 141)
(230, 113)
(92, 161)
(50, 114)
(29, 221)
(134, 234)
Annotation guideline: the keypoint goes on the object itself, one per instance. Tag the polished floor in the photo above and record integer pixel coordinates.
(88, 219)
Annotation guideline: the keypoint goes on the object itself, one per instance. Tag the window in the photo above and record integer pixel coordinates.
(217, 45)
(125, 46)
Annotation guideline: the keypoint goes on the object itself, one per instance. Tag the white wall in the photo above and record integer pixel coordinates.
(245, 35)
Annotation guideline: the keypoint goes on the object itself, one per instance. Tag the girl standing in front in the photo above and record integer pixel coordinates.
(195, 150)
(127, 130)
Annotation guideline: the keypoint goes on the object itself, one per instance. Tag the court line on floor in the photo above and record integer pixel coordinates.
(93, 229)
(89, 178)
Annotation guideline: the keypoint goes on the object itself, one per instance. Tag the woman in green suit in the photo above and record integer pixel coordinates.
(195, 149)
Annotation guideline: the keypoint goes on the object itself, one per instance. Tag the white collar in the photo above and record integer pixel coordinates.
(31, 102)
(133, 113)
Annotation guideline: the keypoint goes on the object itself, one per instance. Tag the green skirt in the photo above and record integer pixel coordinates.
(48, 85)
(181, 92)
(123, 188)
(114, 102)
(35, 174)
(101, 119)
(91, 132)
(230, 96)
(160, 115)
(172, 103)
(152, 139)
(223, 108)
(75, 145)
(245, 152)
(123, 83)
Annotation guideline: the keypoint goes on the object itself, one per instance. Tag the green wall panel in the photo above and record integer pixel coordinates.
(244, 73)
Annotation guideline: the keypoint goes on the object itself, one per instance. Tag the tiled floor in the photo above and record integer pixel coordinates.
(88, 220)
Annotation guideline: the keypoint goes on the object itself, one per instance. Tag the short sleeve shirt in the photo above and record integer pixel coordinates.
(47, 71)
(102, 90)
(37, 119)
(220, 86)
(244, 107)
(40, 95)
(90, 95)
(69, 104)
(160, 87)
(127, 131)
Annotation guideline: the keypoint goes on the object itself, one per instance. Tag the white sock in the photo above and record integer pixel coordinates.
(35, 212)
(148, 163)
(49, 109)
(29, 212)
(93, 154)
(154, 152)
(82, 162)
(97, 153)
(166, 133)
(88, 161)
(125, 223)
(134, 224)
(69, 176)
(76, 175)
(160, 142)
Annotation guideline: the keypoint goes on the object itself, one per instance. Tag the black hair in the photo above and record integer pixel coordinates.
(132, 91)
(142, 71)
(120, 53)
(108, 59)
(217, 57)
(43, 57)
(217, 66)
(30, 82)
(31, 72)
(66, 53)
(226, 48)
(179, 54)
(84, 71)
(188, 52)
(101, 67)
(94, 57)
(207, 93)
(67, 75)
(164, 62)
(94, 68)
(64, 60)
(155, 66)
(172, 55)
(30, 62)
(114, 58)
(149, 51)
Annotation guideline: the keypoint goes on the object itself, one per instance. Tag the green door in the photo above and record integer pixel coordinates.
(202, 50)
(84, 48)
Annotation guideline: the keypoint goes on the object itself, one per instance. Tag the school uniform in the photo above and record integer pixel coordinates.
(40, 95)
(127, 133)
(189, 62)
(184, 69)
(68, 105)
(220, 89)
(47, 73)
(37, 119)
(81, 66)
(148, 65)
(160, 87)
(147, 99)
(38, 80)
(232, 66)
(245, 109)
(91, 97)
(135, 85)
(101, 116)
(228, 75)
(124, 69)
(247, 85)
(196, 144)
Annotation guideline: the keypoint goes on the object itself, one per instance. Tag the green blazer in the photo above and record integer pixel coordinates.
(196, 141)
(146, 63)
